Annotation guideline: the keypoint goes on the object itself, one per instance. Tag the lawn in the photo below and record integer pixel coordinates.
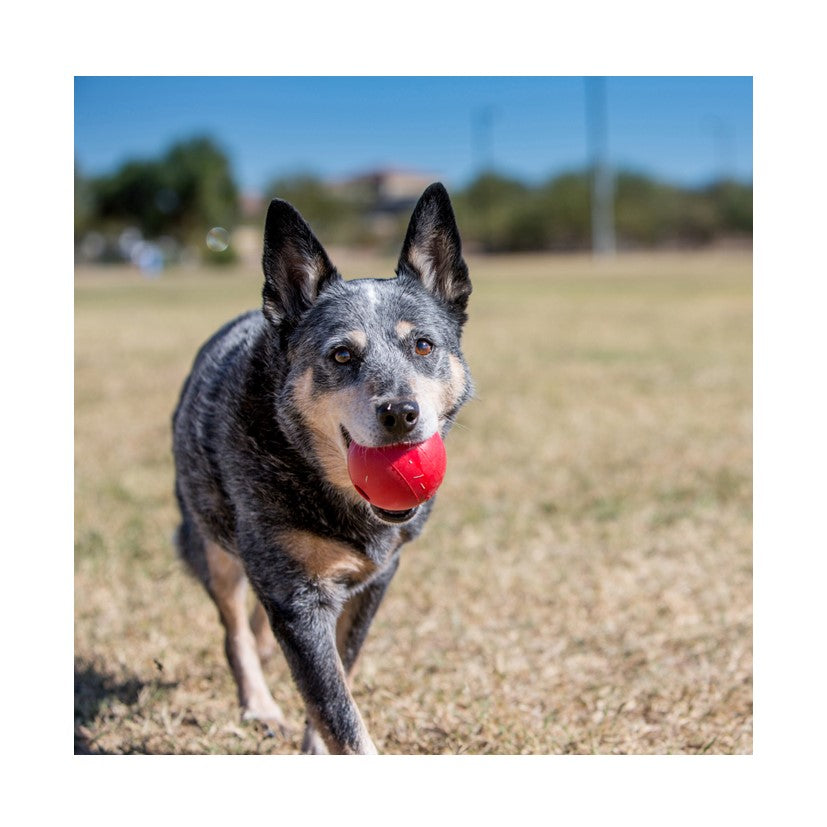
(584, 584)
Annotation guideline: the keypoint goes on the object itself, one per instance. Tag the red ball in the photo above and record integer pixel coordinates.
(397, 477)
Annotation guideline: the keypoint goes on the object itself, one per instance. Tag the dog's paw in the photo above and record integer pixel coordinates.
(269, 716)
(312, 743)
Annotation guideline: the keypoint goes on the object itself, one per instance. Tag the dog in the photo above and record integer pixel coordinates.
(260, 440)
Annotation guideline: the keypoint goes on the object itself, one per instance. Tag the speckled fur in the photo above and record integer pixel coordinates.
(261, 456)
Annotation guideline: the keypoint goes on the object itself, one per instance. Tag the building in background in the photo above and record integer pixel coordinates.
(386, 190)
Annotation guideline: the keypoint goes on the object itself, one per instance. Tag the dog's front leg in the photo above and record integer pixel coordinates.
(358, 614)
(351, 629)
(307, 635)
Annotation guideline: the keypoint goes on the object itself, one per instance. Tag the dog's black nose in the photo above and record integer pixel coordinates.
(398, 417)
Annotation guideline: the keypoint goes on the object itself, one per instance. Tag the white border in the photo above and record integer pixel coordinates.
(779, 47)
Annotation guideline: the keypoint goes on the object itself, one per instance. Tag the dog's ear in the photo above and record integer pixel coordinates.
(432, 251)
(296, 267)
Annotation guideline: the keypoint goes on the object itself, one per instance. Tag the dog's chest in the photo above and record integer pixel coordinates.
(325, 560)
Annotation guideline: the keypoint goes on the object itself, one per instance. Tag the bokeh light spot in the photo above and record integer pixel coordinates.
(218, 239)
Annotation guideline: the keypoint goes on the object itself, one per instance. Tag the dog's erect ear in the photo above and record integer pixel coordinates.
(432, 250)
(296, 267)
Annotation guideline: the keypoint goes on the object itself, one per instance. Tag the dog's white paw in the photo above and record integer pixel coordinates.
(269, 715)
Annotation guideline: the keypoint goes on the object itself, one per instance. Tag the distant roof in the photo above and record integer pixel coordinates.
(379, 173)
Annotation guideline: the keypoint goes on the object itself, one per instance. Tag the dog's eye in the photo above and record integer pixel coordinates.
(423, 347)
(342, 355)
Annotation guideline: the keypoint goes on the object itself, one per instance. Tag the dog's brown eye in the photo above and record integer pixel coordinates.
(341, 355)
(423, 347)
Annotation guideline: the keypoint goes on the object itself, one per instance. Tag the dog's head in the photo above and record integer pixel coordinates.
(377, 361)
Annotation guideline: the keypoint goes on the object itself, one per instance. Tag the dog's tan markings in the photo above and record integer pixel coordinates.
(424, 265)
(326, 559)
(432, 265)
(228, 586)
(456, 387)
(428, 392)
(266, 643)
(357, 337)
(303, 389)
(403, 328)
(314, 269)
(322, 414)
(438, 395)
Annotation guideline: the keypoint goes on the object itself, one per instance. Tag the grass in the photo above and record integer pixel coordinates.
(585, 582)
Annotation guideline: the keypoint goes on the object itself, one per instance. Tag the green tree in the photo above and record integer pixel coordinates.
(85, 206)
(564, 203)
(733, 206)
(200, 192)
(189, 190)
(649, 212)
(328, 212)
(134, 194)
(489, 207)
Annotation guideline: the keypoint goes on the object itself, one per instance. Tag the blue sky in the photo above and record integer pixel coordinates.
(686, 130)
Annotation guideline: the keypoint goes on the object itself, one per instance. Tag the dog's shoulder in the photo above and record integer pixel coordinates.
(228, 346)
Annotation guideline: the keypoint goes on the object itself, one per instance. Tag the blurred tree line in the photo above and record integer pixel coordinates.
(178, 197)
(175, 200)
(504, 214)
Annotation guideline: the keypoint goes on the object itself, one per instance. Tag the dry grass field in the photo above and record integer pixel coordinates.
(584, 584)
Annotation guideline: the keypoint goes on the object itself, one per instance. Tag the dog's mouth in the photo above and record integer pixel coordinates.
(393, 516)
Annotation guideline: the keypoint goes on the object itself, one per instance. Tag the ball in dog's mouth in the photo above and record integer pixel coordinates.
(396, 479)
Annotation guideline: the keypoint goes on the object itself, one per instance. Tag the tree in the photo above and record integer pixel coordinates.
(133, 194)
(84, 204)
(320, 206)
(564, 203)
(733, 206)
(201, 192)
(487, 209)
(184, 194)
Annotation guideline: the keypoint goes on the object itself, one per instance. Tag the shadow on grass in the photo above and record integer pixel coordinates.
(95, 689)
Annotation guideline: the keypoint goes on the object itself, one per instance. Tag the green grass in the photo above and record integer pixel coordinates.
(585, 583)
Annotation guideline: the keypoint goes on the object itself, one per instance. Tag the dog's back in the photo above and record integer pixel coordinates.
(202, 425)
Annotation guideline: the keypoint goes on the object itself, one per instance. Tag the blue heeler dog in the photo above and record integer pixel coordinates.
(261, 435)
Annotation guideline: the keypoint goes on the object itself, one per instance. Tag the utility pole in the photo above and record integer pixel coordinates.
(723, 138)
(602, 212)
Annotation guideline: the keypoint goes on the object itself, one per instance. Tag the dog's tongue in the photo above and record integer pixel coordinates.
(397, 477)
